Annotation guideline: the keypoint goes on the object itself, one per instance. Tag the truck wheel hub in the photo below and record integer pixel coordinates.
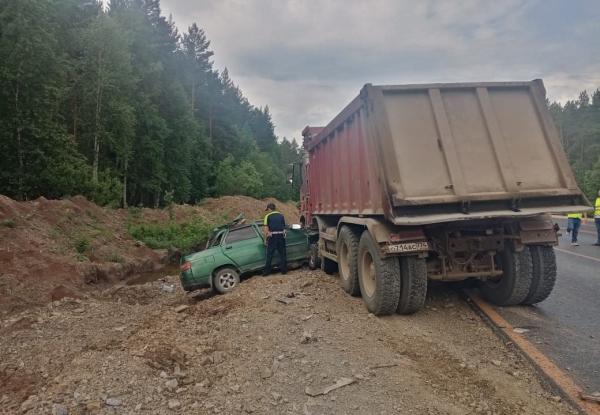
(368, 274)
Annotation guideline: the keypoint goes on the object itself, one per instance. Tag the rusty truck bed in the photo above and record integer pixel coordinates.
(442, 152)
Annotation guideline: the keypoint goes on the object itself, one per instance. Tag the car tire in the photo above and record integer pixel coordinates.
(314, 261)
(379, 277)
(544, 274)
(347, 255)
(413, 284)
(225, 280)
(514, 285)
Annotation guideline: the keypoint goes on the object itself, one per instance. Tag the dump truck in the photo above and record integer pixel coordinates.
(443, 182)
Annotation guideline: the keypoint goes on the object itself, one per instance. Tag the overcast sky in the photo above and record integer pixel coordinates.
(307, 59)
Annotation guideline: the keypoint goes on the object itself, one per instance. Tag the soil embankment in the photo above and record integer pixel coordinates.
(50, 249)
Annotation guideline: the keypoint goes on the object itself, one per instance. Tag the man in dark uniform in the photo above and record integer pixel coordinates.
(274, 231)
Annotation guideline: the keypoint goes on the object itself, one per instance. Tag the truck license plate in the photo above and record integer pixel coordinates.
(408, 247)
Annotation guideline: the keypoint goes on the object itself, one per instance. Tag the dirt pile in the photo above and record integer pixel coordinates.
(53, 248)
(293, 345)
(251, 208)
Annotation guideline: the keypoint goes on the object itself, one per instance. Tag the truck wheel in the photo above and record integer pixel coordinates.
(413, 284)
(225, 280)
(347, 253)
(544, 274)
(513, 286)
(379, 278)
(328, 266)
(314, 261)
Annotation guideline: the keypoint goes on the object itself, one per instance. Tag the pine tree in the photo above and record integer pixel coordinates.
(113, 103)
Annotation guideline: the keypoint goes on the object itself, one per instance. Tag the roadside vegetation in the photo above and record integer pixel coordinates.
(183, 236)
(578, 122)
(114, 103)
(8, 223)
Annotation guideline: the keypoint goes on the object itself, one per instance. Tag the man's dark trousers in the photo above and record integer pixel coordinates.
(276, 243)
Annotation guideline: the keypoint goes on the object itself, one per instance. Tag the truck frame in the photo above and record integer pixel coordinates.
(447, 182)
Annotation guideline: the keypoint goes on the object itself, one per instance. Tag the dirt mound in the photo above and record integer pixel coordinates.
(51, 247)
(252, 209)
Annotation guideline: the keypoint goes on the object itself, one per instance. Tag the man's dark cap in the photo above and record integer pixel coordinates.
(270, 206)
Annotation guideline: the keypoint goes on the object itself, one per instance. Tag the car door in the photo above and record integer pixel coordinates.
(245, 248)
(296, 244)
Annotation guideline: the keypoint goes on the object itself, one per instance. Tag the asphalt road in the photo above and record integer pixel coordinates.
(566, 327)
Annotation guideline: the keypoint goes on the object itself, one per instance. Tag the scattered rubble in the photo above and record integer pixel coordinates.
(594, 397)
(324, 391)
(238, 354)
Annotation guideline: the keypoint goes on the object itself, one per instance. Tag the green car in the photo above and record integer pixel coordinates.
(234, 250)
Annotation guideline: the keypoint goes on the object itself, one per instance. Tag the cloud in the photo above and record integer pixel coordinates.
(307, 59)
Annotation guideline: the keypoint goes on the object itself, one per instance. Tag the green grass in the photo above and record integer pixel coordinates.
(82, 244)
(184, 236)
(8, 223)
(134, 212)
(115, 257)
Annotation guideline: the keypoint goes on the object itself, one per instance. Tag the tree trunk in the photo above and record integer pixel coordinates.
(125, 184)
(97, 121)
(210, 121)
(75, 119)
(19, 140)
(193, 95)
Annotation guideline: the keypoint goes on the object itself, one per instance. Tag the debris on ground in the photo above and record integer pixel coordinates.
(236, 354)
(324, 391)
(181, 308)
(594, 397)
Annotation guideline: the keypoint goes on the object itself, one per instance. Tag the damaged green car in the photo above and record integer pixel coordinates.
(238, 249)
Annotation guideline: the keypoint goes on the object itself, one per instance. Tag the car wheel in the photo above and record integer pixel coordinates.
(225, 280)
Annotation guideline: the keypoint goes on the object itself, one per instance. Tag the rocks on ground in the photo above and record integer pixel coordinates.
(245, 352)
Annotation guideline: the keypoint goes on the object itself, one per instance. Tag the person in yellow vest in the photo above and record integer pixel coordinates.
(597, 218)
(573, 225)
(274, 231)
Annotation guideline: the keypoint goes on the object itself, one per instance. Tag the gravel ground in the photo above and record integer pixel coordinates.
(274, 346)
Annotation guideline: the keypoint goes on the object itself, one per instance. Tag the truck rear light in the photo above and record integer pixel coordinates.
(186, 266)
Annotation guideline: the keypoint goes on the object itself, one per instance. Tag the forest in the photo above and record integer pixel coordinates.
(114, 103)
(578, 123)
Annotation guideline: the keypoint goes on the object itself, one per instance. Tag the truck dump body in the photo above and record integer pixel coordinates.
(435, 153)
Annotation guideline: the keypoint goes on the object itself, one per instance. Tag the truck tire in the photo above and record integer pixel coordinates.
(347, 254)
(379, 278)
(544, 274)
(514, 285)
(314, 260)
(328, 266)
(413, 284)
(225, 280)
